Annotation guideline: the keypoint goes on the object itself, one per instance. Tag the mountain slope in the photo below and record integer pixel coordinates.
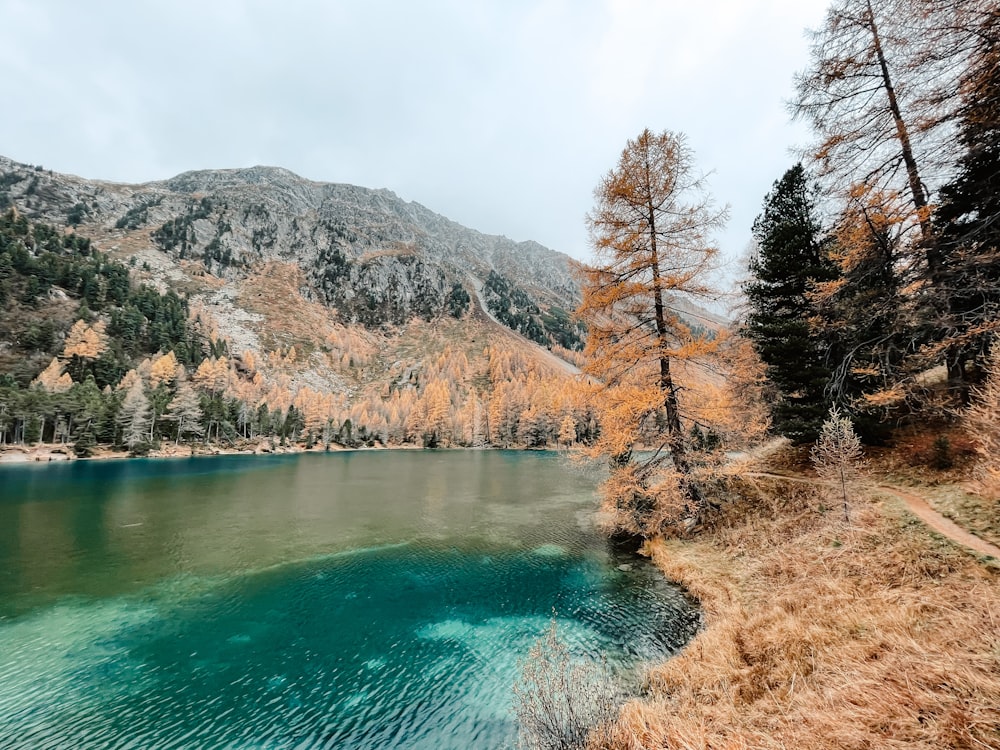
(372, 256)
(292, 307)
(271, 307)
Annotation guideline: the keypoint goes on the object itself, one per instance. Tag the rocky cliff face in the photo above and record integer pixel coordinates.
(374, 257)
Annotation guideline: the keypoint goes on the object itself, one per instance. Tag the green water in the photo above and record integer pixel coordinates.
(346, 600)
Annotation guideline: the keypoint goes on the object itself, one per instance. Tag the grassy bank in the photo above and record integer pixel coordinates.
(824, 635)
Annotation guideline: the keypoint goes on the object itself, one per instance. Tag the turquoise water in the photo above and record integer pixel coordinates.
(346, 600)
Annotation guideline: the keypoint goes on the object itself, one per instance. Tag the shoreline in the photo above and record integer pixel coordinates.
(17, 455)
(808, 623)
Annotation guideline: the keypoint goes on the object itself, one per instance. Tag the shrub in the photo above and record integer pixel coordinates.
(942, 457)
(559, 699)
(141, 448)
(837, 456)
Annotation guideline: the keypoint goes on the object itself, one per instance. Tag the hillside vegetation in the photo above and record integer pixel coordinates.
(96, 351)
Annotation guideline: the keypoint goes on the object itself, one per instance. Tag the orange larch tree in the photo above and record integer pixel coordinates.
(880, 94)
(651, 231)
(163, 370)
(52, 379)
(85, 341)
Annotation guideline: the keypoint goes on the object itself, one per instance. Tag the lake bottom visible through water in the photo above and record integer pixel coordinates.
(374, 600)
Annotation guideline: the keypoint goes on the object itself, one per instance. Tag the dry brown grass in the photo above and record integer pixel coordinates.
(915, 453)
(820, 635)
(274, 291)
(952, 490)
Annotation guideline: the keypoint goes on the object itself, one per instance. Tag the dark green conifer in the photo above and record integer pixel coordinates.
(789, 260)
(968, 219)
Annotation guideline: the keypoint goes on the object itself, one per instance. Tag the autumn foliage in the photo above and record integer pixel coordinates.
(651, 230)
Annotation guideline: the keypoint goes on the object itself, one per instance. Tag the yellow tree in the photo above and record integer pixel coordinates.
(212, 375)
(651, 231)
(437, 403)
(882, 83)
(163, 370)
(128, 380)
(314, 410)
(567, 430)
(84, 341)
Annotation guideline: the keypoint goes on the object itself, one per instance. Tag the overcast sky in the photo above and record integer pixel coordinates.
(499, 114)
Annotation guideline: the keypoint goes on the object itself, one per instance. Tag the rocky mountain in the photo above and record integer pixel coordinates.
(374, 258)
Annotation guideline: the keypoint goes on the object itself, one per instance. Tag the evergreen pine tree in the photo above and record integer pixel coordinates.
(85, 442)
(790, 259)
(969, 218)
(89, 405)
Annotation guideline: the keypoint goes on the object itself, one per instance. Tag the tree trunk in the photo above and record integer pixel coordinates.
(932, 253)
(674, 429)
(843, 490)
(903, 134)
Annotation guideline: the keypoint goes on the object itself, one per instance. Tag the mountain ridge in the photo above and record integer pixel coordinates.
(284, 216)
(266, 213)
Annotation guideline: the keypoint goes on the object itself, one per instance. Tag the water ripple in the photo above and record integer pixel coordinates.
(403, 640)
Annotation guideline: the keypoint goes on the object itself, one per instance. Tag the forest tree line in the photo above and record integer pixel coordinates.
(94, 358)
(873, 284)
(877, 261)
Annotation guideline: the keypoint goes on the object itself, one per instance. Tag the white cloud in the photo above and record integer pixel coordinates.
(500, 115)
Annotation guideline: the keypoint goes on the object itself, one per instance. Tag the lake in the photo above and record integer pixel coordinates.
(374, 599)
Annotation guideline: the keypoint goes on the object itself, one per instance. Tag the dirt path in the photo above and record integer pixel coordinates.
(945, 526)
(919, 507)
